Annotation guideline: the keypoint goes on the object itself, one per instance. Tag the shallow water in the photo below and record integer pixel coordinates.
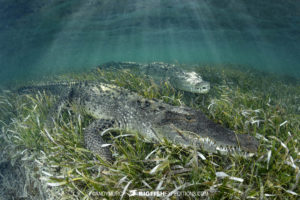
(38, 37)
(223, 37)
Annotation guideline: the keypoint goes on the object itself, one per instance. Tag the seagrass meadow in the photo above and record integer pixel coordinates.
(54, 164)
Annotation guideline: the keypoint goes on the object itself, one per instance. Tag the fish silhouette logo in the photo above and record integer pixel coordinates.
(132, 193)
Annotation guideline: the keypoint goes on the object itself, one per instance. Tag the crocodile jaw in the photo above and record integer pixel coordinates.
(201, 87)
(197, 85)
(191, 128)
(190, 82)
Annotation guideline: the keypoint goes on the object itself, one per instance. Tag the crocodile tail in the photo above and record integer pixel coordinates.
(34, 89)
(53, 88)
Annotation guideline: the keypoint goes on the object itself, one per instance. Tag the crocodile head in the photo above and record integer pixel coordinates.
(191, 127)
(190, 82)
(201, 87)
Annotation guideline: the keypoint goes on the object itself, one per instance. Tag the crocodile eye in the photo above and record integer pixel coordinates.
(203, 88)
(189, 117)
(147, 103)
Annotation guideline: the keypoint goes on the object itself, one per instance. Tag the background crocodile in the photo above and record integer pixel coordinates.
(115, 107)
(188, 81)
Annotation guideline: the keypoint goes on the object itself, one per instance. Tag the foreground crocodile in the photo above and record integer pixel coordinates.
(118, 108)
(188, 81)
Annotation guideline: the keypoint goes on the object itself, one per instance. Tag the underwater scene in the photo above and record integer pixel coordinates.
(149, 99)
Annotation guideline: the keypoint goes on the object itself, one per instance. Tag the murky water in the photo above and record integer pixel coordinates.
(38, 37)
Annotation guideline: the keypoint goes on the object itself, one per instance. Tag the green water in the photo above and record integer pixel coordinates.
(42, 38)
(39, 39)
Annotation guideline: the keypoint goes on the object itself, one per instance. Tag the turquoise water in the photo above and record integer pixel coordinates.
(39, 38)
(46, 37)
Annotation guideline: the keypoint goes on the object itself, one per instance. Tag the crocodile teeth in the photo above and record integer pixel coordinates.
(222, 149)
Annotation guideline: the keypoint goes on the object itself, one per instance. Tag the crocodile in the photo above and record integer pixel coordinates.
(114, 107)
(188, 81)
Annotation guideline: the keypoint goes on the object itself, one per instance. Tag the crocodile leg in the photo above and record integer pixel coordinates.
(93, 140)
